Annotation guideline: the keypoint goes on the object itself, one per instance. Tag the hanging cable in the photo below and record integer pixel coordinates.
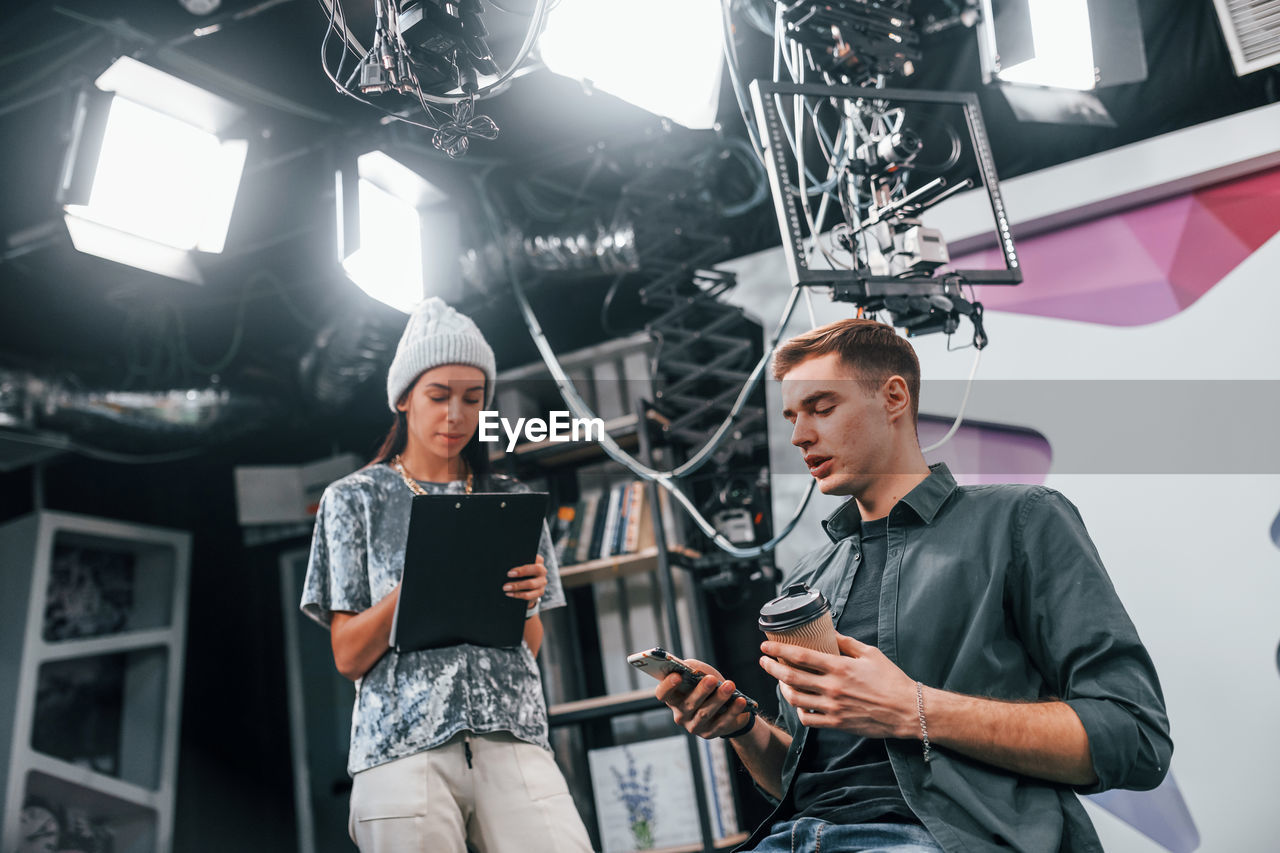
(451, 132)
(964, 401)
(336, 17)
(617, 454)
(611, 448)
(741, 151)
(539, 20)
(808, 301)
(739, 92)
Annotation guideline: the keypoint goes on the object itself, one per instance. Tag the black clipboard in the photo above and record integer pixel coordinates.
(456, 559)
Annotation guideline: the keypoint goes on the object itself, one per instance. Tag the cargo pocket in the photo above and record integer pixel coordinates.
(388, 806)
(542, 778)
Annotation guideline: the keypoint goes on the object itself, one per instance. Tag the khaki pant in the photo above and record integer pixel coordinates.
(507, 797)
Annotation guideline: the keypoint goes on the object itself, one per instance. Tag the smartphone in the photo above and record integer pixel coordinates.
(660, 663)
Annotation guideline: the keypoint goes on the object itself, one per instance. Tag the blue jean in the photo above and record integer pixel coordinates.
(811, 835)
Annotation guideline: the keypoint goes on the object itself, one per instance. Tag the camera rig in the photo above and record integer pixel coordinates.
(854, 39)
(879, 256)
(434, 52)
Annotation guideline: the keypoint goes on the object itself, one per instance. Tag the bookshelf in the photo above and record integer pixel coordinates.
(609, 568)
(95, 616)
(597, 707)
(622, 601)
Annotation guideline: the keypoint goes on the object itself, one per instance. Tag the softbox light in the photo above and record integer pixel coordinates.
(1046, 56)
(398, 236)
(151, 175)
(664, 56)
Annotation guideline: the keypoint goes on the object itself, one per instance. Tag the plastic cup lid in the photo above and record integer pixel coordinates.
(797, 605)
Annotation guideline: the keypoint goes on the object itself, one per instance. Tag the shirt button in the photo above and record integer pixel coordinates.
(893, 553)
(857, 557)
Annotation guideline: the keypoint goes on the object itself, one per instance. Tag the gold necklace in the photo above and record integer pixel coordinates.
(413, 484)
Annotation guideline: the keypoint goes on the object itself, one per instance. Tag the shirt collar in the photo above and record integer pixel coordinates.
(924, 500)
(929, 496)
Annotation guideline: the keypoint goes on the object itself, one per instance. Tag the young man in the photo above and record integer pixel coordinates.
(987, 670)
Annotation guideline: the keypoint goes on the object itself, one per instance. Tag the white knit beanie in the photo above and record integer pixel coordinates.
(435, 335)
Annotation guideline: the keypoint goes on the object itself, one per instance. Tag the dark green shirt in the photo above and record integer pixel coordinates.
(998, 591)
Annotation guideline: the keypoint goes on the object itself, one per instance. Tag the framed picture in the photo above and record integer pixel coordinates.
(644, 795)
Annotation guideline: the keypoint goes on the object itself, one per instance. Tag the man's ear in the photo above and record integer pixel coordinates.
(896, 396)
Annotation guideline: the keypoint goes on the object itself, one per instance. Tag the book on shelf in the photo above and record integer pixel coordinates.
(613, 520)
(590, 511)
(568, 554)
(629, 530)
(619, 497)
(598, 528)
(635, 518)
(562, 529)
(613, 512)
(718, 785)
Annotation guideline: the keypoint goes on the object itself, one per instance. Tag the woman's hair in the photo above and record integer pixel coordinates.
(474, 452)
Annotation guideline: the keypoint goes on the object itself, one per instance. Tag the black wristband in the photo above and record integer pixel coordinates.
(751, 722)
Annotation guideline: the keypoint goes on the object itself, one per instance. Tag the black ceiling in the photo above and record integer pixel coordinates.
(109, 326)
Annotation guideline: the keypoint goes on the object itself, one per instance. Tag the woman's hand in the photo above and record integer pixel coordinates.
(360, 640)
(528, 582)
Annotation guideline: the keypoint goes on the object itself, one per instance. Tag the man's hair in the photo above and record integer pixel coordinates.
(872, 349)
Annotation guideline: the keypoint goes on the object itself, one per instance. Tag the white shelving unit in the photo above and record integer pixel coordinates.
(93, 627)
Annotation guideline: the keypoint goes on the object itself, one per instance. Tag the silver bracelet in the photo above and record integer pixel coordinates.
(924, 728)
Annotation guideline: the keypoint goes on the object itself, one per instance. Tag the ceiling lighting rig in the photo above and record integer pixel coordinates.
(854, 40)
(853, 164)
(435, 52)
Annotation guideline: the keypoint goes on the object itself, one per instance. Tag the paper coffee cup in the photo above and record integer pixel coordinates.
(800, 617)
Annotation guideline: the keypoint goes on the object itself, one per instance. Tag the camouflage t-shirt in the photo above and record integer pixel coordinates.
(416, 700)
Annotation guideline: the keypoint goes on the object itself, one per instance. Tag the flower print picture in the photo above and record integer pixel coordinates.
(635, 789)
(644, 795)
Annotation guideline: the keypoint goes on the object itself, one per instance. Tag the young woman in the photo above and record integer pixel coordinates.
(448, 746)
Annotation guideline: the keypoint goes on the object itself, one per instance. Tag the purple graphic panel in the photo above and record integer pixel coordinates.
(1161, 814)
(1140, 265)
(988, 453)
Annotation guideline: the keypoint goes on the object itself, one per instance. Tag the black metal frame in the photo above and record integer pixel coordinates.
(790, 219)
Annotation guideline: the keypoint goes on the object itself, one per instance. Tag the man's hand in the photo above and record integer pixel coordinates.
(710, 709)
(528, 582)
(859, 691)
(863, 692)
